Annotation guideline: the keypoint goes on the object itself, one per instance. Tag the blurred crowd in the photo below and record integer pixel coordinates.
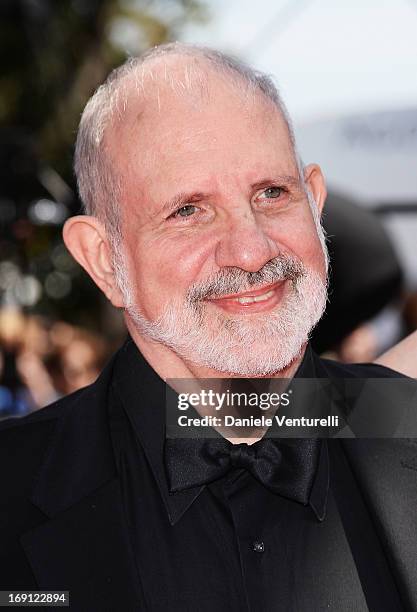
(41, 360)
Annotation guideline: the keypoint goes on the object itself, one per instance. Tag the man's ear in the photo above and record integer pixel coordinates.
(86, 239)
(314, 179)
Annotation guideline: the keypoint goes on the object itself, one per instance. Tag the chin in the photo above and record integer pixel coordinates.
(260, 359)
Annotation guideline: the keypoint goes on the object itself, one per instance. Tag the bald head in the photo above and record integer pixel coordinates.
(147, 85)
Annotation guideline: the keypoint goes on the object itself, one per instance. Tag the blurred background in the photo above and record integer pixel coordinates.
(347, 72)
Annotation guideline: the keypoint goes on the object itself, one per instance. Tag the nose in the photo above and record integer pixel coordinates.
(245, 244)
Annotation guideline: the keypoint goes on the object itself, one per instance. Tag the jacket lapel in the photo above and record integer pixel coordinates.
(386, 472)
(84, 546)
(85, 550)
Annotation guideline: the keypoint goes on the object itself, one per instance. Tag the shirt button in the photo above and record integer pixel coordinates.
(258, 546)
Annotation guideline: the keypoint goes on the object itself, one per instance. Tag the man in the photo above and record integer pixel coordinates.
(203, 225)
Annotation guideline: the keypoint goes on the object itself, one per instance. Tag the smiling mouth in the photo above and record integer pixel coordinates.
(255, 300)
(250, 299)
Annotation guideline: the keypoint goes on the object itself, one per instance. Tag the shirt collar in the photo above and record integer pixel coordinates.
(142, 394)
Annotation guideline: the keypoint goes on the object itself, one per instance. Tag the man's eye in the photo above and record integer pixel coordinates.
(272, 192)
(185, 211)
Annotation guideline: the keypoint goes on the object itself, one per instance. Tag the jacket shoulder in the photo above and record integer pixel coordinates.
(47, 413)
(24, 442)
(357, 370)
(26, 439)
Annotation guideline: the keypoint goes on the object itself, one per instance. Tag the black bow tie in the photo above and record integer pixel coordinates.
(286, 466)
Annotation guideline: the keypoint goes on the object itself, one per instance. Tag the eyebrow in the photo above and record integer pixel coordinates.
(183, 198)
(286, 179)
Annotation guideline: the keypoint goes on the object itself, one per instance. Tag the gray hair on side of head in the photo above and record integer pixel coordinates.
(98, 182)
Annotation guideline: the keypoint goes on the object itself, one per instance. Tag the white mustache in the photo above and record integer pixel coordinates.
(236, 280)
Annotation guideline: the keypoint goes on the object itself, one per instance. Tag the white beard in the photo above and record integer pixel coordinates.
(258, 345)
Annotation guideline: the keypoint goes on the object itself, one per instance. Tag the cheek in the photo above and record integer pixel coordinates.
(299, 236)
(167, 267)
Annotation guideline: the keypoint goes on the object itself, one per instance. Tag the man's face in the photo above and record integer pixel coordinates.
(221, 250)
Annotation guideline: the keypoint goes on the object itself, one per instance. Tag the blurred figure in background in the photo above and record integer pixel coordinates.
(40, 362)
(81, 359)
(363, 315)
(15, 398)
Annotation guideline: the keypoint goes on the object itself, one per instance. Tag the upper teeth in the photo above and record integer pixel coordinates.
(255, 298)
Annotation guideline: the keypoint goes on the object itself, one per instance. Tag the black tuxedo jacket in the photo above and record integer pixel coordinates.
(61, 520)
